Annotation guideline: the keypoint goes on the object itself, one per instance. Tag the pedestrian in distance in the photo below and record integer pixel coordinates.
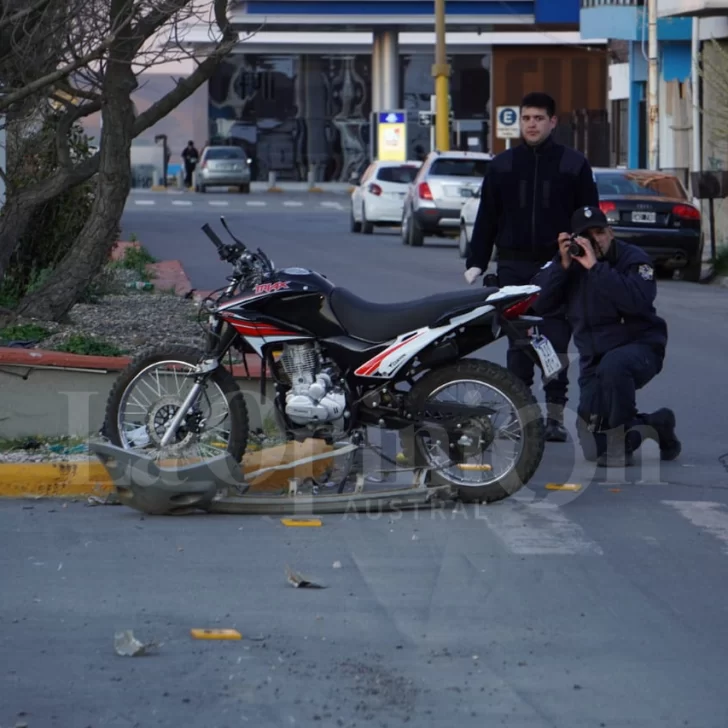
(190, 157)
(528, 196)
(608, 289)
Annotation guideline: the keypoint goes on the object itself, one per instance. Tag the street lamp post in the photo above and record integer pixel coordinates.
(441, 73)
(652, 87)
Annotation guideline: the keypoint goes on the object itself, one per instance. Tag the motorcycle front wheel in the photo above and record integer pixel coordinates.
(150, 391)
(485, 457)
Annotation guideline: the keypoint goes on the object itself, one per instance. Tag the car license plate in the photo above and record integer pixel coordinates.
(547, 355)
(644, 217)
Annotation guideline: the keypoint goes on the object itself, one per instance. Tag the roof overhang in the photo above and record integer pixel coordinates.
(342, 42)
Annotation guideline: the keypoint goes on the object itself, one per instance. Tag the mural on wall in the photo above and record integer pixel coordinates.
(298, 113)
(294, 113)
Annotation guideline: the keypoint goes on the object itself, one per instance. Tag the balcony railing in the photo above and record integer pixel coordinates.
(612, 3)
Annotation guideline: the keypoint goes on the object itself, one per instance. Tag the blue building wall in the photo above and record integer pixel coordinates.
(627, 22)
(328, 8)
(557, 11)
(675, 65)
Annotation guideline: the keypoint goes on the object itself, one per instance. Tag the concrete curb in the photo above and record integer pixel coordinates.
(66, 479)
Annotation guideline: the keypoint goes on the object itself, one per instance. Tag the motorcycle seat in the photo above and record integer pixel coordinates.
(380, 322)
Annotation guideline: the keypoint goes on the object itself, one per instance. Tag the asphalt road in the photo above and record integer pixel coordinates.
(601, 608)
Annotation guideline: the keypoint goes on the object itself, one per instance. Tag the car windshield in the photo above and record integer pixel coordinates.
(224, 153)
(634, 183)
(459, 167)
(400, 175)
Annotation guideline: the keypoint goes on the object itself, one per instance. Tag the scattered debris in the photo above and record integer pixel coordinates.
(127, 645)
(337, 564)
(110, 499)
(300, 582)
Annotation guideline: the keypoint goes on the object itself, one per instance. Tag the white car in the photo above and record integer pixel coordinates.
(378, 197)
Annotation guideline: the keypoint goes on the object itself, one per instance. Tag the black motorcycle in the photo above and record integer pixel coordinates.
(340, 364)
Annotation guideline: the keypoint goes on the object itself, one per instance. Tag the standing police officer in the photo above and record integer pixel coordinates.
(528, 196)
(608, 288)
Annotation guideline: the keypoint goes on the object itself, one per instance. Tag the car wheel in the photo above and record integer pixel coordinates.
(693, 270)
(245, 189)
(405, 230)
(354, 226)
(366, 227)
(416, 236)
(463, 244)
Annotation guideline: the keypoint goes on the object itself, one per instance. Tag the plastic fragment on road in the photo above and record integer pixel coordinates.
(127, 645)
(299, 581)
(216, 634)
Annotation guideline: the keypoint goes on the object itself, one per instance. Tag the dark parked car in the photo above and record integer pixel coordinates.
(654, 210)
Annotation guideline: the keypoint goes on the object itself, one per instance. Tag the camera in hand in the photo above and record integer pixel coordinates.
(575, 250)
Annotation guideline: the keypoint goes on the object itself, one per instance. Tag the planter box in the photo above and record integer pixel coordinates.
(54, 394)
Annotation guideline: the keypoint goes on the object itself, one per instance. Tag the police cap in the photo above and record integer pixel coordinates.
(586, 218)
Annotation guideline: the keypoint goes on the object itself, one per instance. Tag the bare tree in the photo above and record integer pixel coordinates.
(99, 49)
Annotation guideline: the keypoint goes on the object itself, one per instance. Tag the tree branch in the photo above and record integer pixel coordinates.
(51, 78)
(18, 15)
(187, 86)
(153, 21)
(64, 129)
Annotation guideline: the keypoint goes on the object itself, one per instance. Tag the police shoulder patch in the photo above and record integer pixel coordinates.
(646, 271)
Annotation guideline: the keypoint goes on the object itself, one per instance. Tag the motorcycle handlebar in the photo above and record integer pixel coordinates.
(213, 237)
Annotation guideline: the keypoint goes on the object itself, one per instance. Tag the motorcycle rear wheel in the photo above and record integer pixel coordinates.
(237, 439)
(532, 436)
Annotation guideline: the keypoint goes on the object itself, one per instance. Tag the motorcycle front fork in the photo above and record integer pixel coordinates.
(220, 339)
(202, 374)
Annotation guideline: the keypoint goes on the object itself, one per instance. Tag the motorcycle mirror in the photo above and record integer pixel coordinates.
(225, 225)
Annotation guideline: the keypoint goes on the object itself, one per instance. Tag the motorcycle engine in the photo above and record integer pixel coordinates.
(313, 397)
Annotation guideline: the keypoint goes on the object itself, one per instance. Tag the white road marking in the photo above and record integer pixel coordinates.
(335, 205)
(185, 203)
(709, 516)
(292, 203)
(256, 203)
(219, 203)
(538, 529)
(145, 202)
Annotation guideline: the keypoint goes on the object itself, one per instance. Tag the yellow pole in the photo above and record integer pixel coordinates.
(441, 73)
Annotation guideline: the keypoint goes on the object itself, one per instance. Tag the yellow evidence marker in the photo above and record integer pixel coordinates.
(216, 634)
(311, 522)
(563, 486)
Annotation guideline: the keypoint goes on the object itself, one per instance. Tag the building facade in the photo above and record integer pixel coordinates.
(295, 112)
(300, 94)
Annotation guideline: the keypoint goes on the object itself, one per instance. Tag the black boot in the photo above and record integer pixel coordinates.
(617, 455)
(661, 427)
(555, 430)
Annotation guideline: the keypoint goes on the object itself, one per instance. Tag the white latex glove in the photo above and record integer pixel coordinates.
(471, 274)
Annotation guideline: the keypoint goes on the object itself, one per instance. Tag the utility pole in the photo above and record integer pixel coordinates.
(652, 86)
(441, 73)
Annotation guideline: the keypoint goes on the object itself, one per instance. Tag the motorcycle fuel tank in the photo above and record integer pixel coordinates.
(296, 296)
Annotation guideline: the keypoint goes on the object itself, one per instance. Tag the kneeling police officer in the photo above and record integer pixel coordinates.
(608, 287)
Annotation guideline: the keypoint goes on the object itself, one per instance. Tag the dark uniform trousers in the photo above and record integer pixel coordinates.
(555, 328)
(608, 387)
